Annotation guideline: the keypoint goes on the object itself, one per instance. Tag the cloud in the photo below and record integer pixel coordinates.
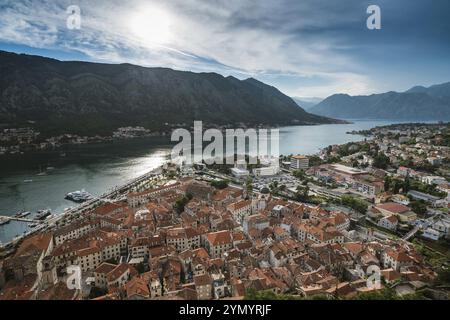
(320, 46)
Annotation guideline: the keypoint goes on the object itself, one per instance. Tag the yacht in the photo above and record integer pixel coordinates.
(42, 214)
(78, 196)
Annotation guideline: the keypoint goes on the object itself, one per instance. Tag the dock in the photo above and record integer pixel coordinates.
(3, 218)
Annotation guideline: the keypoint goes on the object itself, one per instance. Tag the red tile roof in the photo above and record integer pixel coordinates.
(393, 207)
(219, 238)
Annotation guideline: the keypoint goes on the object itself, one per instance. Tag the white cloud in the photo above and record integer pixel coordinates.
(227, 37)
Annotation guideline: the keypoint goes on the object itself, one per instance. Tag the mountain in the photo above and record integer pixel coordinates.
(437, 91)
(94, 98)
(307, 103)
(417, 103)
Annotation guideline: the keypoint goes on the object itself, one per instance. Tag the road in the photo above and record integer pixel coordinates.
(411, 233)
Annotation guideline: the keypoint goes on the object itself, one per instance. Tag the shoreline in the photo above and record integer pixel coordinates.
(26, 149)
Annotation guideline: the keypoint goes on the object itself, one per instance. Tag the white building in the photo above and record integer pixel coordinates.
(388, 222)
(266, 171)
(240, 173)
(299, 162)
(432, 234)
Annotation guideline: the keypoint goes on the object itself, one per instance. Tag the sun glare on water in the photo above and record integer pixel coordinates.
(151, 26)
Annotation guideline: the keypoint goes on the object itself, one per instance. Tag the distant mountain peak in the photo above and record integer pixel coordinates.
(417, 103)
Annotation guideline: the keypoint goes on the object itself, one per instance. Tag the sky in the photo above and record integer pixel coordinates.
(305, 48)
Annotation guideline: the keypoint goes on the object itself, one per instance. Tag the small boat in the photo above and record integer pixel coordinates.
(33, 225)
(62, 154)
(50, 168)
(22, 214)
(3, 221)
(42, 214)
(78, 196)
(27, 180)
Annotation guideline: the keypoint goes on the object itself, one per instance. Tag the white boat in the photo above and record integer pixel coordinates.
(44, 213)
(22, 214)
(78, 196)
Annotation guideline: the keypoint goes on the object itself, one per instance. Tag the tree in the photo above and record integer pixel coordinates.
(406, 184)
(302, 194)
(354, 203)
(249, 185)
(315, 161)
(387, 183)
(219, 184)
(181, 203)
(443, 277)
(97, 292)
(299, 174)
(397, 186)
(418, 206)
(381, 161)
(383, 294)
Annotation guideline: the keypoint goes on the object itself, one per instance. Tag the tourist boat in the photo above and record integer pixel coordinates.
(78, 196)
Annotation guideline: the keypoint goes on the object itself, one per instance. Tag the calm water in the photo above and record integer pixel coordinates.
(100, 167)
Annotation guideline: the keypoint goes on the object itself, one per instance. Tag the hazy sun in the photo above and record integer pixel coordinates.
(151, 26)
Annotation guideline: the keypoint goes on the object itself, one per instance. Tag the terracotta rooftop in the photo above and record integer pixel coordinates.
(393, 207)
(219, 238)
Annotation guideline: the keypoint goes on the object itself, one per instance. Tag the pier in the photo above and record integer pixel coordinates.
(3, 218)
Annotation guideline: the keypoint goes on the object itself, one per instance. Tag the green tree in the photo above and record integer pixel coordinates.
(418, 206)
(381, 161)
(219, 184)
(387, 183)
(249, 185)
(354, 203)
(181, 203)
(299, 174)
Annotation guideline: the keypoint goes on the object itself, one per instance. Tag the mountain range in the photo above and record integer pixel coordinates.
(307, 103)
(95, 98)
(417, 103)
